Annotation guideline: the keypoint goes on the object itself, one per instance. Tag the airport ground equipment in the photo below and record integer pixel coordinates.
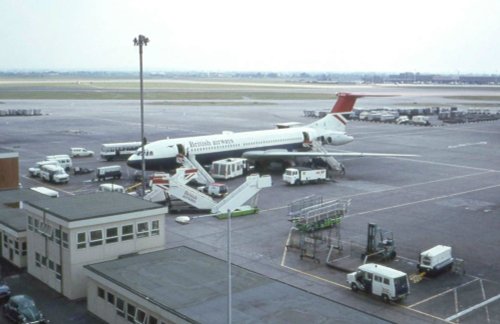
(80, 152)
(35, 171)
(177, 188)
(296, 206)
(302, 175)
(379, 245)
(189, 161)
(63, 159)
(388, 283)
(229, 168)
(82, 170)
(435, 260)
(107, 172)
(316, 225)
(118, 151)
(46, 191)
(215, 189)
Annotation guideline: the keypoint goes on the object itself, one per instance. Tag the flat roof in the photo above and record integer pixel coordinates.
(94, 205)
(13, 218)
(194, 285)
(14, 196)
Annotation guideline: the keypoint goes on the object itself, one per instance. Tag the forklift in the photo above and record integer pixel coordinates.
(379, 245)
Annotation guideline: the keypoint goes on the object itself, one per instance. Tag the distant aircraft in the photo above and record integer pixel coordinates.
(282, 144)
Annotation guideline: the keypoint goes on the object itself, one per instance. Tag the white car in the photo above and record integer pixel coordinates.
(80, 152)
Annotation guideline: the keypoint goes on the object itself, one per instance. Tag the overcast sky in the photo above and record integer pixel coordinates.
(438, 36)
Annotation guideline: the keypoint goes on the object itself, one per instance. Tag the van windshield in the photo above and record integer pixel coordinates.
(401, 285)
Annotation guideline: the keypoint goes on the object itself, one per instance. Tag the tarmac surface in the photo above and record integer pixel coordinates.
(449, 194)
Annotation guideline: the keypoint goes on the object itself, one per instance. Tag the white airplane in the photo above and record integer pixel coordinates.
(282, 144)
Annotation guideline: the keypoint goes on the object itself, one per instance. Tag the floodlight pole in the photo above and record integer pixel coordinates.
(142, 41)
(229, 288)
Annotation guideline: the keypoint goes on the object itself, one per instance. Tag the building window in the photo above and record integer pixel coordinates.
(111, 298)
(95, 238)
(30, 223)
(155, 227)
(100, 292)
(142, 229)
(65, 239)
(127, 232)
(140, 317)
(130, 313)
(37, 259)
(36, 225)
(51, 264)
(112, 235)
(24, 248)
(58, 272)
(5, 240)
(152, 320)
(44, 261)
(16, 247)
(81, 240)
(57, 235)
(120, 307)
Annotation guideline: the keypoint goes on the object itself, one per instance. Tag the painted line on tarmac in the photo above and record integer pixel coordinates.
(442, 293)
(421, 201)
(473, 308)
(444, 164)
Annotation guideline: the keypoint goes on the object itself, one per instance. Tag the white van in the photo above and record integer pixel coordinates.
(80, 152)
(388, 283)
(55, 174)
(63, 159)
(35, 171)
(111, 187)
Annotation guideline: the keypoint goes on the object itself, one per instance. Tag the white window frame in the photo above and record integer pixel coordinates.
(81, 244)
(112, 239)
(142, 232)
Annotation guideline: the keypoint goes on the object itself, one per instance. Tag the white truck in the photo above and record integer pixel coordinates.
(215, 189)
(435, 260)
(54, 174)
(229, 168)
(35, 171)
(106, 172)
(301, 175)
(388, 283)
(63, 159)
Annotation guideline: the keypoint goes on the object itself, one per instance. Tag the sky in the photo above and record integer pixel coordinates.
(438, 36)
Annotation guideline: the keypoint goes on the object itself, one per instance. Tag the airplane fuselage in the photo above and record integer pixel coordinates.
(164, 154)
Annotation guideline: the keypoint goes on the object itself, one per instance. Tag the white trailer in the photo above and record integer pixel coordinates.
(388, 283)
(300, 175)
(53, 173)
(229, 168)
(436, 260)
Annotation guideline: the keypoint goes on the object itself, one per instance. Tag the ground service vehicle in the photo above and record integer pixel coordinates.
(46, 191)
(111, 187)
(420, 120)
(112, 171)
(229, 168)
(388, 283)
(80, 152)
(4, 291)
(22, 309)
(214, 189)
(435, 260)
(63, 159)
(35, 171)
(117, 151)
(53, 173)
(300, 175)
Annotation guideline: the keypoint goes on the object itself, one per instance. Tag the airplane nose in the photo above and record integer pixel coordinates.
(134, 162)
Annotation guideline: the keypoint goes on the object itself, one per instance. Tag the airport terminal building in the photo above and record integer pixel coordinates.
(64, 234)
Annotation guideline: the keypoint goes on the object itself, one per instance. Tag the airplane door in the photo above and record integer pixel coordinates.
(307, 138)
(181, 149)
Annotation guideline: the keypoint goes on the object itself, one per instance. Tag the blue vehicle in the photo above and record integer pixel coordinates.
(22, 309)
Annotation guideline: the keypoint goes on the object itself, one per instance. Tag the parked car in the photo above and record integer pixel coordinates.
(80, 152)
(22, 309)
(4, 291)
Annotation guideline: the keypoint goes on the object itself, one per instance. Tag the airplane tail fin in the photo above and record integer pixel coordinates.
(345, 102)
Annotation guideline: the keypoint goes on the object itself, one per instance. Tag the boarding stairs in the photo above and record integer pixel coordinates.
(329, 160)
(243, 193)
(177, 187)
(189, 161)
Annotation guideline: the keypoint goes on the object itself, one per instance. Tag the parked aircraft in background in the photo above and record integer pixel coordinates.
(282, 144)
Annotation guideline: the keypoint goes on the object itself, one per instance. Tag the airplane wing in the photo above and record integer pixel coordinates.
(270, 154)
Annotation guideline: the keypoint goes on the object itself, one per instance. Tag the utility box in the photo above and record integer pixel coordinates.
(435, 260)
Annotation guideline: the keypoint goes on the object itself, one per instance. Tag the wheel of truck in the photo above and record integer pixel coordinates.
(385, 298)
(354, 287)
(392, 255)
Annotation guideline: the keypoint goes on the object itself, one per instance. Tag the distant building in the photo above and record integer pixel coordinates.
(64, 234)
